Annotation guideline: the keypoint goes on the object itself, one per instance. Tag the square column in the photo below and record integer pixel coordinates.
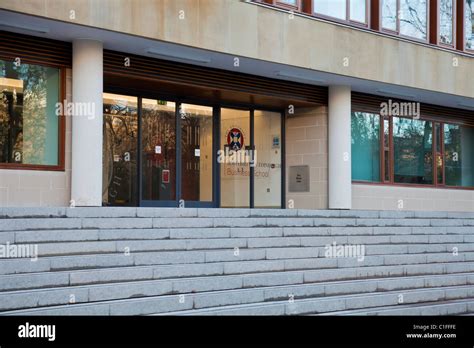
(339, 148)
(87, 89)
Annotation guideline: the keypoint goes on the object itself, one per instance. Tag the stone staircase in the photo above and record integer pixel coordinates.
(167, 261)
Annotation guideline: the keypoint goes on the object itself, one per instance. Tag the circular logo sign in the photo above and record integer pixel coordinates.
(235, 139)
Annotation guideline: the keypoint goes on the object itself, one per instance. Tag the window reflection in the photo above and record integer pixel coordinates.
(469, 24)
(459, 155)
(365, 146)
(446, 13)
(28, 121)
(413, 18)
(120, 150)
(413, 151)
(331, 8)
(389, 14)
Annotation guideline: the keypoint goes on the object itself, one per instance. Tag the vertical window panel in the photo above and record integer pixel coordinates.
(469, 24)
(389, 14)
(413, 151)
(331, 8)
(119, 154)
(268, 167)
(365, 130)
(446, 22)
(358, 11)
(413, 18)
(459, 155)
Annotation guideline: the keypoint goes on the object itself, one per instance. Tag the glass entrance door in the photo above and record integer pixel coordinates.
(250, 159)
(169, 154)
(233, 159)
(196, 154)
(176, 154)
(158, 153)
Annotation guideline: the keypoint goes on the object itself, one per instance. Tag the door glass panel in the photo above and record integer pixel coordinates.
(196, 153)
(235, 166)
(267, 131)
(158, 150)
(120, 150)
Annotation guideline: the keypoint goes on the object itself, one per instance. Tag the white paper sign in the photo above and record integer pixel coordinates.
(197, 152)
(158, 149)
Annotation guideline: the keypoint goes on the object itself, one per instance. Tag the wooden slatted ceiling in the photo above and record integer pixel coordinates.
(371, 103)
(190, 75)
(35, 50)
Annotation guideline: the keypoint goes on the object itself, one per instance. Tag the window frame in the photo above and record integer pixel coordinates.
(60, 167)
(397, 31)
(391, 181)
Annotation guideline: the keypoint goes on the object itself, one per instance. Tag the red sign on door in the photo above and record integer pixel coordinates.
(165, 176)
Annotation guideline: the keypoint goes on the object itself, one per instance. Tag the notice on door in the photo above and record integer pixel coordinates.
(165, 176)
(197, 152)
(158, 149)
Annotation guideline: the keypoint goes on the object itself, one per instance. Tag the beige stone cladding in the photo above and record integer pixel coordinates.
(306, 144)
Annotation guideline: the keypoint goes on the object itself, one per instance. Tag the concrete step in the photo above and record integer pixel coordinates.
(73, 257)
(19, 224)
(211, 236)
(72, 234)
(253, 276)
(293, 247)
(125, 212)
(224, 303)
(437, 308)
(248, 261)
(338, 304)
(11, 300)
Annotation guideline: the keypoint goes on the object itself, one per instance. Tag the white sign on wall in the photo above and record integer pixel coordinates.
(158, 149)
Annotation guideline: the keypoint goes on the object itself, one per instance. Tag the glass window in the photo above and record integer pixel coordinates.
(267, 170)
(233, 159)
(389, 14)
(29, 124)
(459, 155)
(413, 151)
(446, 17)
(413, 18)
(120, 150)
(365, 130)
(331, 8)
(358, 10)
(469, 24)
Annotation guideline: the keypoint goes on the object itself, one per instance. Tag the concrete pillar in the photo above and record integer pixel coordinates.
(87, 89)
(339, 147)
